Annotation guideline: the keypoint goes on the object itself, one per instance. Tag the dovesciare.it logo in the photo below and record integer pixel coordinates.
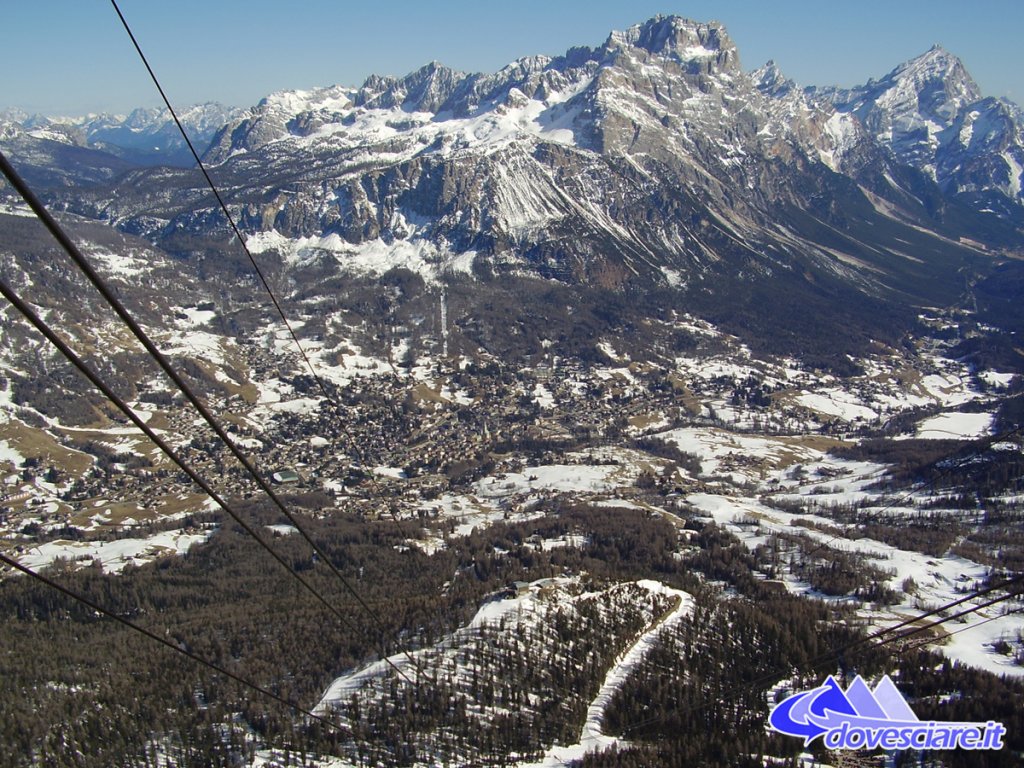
(861, 718)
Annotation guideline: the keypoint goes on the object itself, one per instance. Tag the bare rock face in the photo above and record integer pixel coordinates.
(701, 48)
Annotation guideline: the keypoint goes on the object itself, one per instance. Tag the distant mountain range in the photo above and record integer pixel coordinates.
(651, 163)
(145, 136)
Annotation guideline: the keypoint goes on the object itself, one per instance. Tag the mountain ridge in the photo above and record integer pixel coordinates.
(928, 110)
(144, 136)
(651, 162)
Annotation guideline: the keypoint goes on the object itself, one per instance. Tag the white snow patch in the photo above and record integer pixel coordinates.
(947, 426)
(543, 397)
(994, 379)
(561, 478)
(194, 317)
(127, 264)
(8, 453)
(467, 513)
(372, 257)
(114, 555)
(17, 209)
(673, 277)
(1016, 173)
(837, 403)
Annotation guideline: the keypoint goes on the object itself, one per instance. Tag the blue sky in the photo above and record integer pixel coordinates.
(235, 52)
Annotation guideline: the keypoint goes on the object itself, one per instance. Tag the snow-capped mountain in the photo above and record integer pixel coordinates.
(933, 116)
(652, 151)
(579, 98)
(153, 130)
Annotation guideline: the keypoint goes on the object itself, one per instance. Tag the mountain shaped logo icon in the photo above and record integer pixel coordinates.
(862, 718)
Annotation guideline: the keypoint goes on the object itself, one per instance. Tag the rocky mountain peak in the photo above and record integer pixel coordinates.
(14, 115)
(682, 40)
(424, 90)
(936, 61)
(770, 80)
(9, 129)
(141, 118)
(931, 114)
(936, 84)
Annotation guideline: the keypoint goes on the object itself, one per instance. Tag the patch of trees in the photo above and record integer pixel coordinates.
(60, 393)
(933, 535)
(998, 543)
(81, 691)
(831, 571)
(520, 684)
(974, 467)
(76, 689)
(998, 297)
(700, 697)
(1010, 415)
(159, 397)
(665, 450)
(938, 689)
(909, 458)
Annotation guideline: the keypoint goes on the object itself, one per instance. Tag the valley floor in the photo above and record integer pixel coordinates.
(872, 499)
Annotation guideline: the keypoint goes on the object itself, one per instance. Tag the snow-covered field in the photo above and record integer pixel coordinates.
(557, 478)
(113, 555)
(519, 496)
(744, 457)
(466, 513)
(955, 426)
(806, 400)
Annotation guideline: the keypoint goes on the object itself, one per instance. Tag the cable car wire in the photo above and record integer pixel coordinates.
(220, 200)
(62, 346)
(11, 562)
(944, 619)
(101, 286)
(238, 235)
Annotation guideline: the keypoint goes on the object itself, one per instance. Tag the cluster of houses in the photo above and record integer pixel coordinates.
(435, 435)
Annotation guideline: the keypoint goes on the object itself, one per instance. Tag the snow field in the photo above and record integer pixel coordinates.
(113, 555)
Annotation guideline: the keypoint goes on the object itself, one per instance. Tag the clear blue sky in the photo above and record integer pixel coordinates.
(72, 57)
